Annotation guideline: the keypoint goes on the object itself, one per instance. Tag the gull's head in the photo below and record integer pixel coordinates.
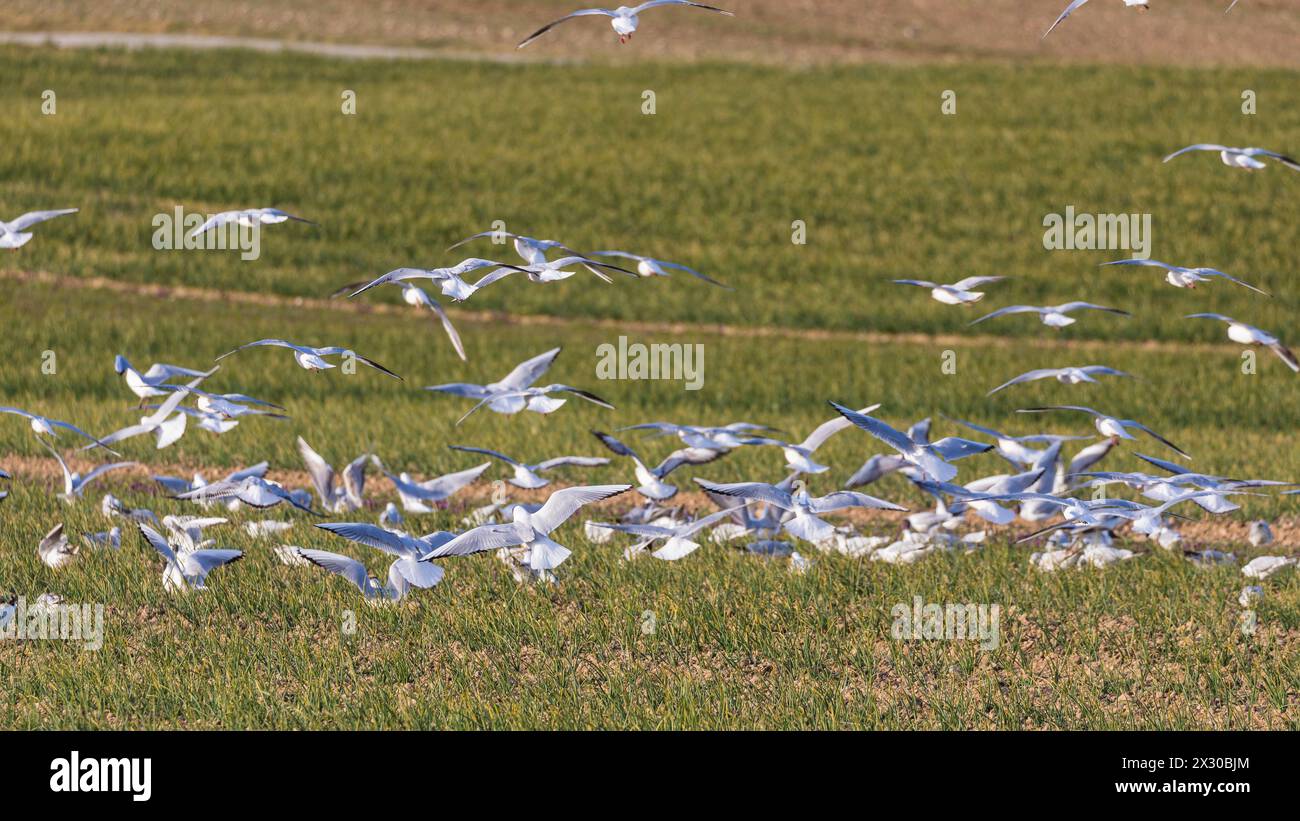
(120, 365)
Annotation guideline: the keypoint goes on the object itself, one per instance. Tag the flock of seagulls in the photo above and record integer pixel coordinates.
(1061, 496)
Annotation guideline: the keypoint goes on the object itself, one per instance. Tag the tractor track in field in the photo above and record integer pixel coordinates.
(498, 318)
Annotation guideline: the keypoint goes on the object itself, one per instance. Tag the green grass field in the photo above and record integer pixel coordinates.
(887, 186)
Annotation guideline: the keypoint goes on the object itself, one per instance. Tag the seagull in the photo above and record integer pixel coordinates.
(526, 475)
(450, 280)
(187, 531)
(805, 523)
(165, 427)
(933, 459)
(415, 296)
(533, 251)
(1053, 316)
(1013, 448)
(721, 438)
(1264, 566)
(74, 484)
(14, 234)
(407, 570)
(799, 457)
(1110, 425)
(251, 490)
(1142, 4)
(1066, 376)
(391, 517)
(414, 495)
(1260, 534)
(335, 499)
(523, 375)
(151, 383)
(652, 481)
(309, 358)
(883, 464)
(1249, 335)
(112, 506)
(187, 571)
(249, 218)
(623, 19)
(531, 530)
(958, 293)
(651, 267)
(55, 549)
(176, 486)
(44, 426)
(1239, 157)
(538, 399)
(1180, 277)
(552, 270)
(677, 543)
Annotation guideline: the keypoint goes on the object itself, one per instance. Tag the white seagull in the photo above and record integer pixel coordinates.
(799, 457)
(1066, 376)
(415, 496)
(1142, 4)
(1240, 157)
(1180, 277)
(310, 358)
(406, 571)
(14, 234)
(677, 543)
(651, 267)
(249, 218)
(552, 270)
(958, 293)
(417, 297)
(44, 426)
(333, 498)
(523, 375)
(533, 251)
(55, 550)
(1110, 425)
(652, 481)
(450, 280)
(166, 427)
(1250, 335)
(151, 383)
(806, 523)
(187, 571)
(74, 484)
(526, 476)
(531, 530)
(933, 459)
(538, 400)
(1053, 316)
(624, 19)
(251, 490)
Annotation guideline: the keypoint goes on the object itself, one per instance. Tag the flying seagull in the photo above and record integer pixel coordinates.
(44, 426)
(652, 481)
(333, 498)
(415, 496)
(806, 522)
(538, 399)
(958, 293)
(1240, 157)
(450, 280)
(249, 218)
(1110, 425)
(1250, 335)
(526, 476)
(74, 484)
(406, 571)
(14, 234)
(533, 251)
(799, 457)
(933, 459)
(415, 296)
(1066, 376)
(552, 270)
(55, 550)
(310, 358)
(531, 530)
(151, 383)
(651, 267)
(187, 571)
(253, 491)
(1142, 4)
(166, 427)
(1054, 316)
(623, 20)
(1180, 277)
(676, 539)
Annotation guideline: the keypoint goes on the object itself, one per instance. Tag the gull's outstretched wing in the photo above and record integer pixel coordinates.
(564, 503)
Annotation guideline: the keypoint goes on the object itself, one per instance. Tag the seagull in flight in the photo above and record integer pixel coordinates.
(652, 481)
(187, 571)
(249, 218)
(1180, 277)
(623, 19)
(721, 438)
(44, 426)
(14, 234)
(309, 358)
(531, 530)
(417, 297)
(933, 459)
(450, 280)
(1053, 316)
(514, 393)
(1240, 157)
(799, 457)
(533, 251)
(1110, 425)
(806, 522)
(1014, 449)
(1066, 376)
(166, 427)
(74, 484)
(415, 495)
(651, 267)
(526, 476)
(406, 571)
(253, 491)
(1250, 335)
(676, 539)
(958, 293)
(333, 498)
(544, 270)
(151, 383)
(1142, 4)
(538, 399)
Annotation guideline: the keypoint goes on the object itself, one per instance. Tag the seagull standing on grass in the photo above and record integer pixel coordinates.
(1240, 157)
(531, 530)
(1250, 335)
(1142, 4)
(249, 218)
(188, 571)
(651, 267)
(55, 550)
(624, 19)
(1180, 277)
(1066, 376)
(958, 293)
(14, 234)
(526, 476)
(309, 358)
(1110, 425)
(1053, 316)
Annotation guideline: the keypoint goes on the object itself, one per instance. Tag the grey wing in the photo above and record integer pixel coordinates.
(34, 217)
(896, 439)
(953, 448)
(1088, 306)
(757, 491)
(920, 283)
(354, 479)
(697, 274)
(615, 445)
(848, 498)
(1284, 353)
(575, 461)
(450, 329)
(564, 503)
(444, 486)
(1197, 147)
(685, 456)
(875, 468)
(484, 451)
(465, 389)
(157, 542)
(1157, 437)
(528, 371)
(1027, 376)
(975, 282)
(322, 474)
(202, 562)
(1068, 11)
(1010, 309)
(349, 568)
(369, 535)
(1214, 272)
(487, 537)
(171, 484)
